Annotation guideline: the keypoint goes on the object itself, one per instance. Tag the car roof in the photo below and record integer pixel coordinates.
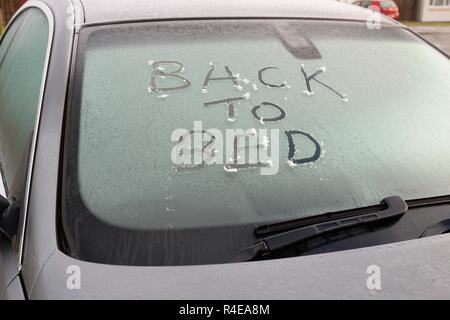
(100, 11)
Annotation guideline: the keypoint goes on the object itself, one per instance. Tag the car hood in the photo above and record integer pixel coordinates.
(416, 269)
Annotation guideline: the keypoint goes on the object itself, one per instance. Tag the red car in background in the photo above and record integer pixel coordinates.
(386, 7)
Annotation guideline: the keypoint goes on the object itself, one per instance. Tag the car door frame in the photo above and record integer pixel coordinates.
(40, 226)
(11, 255)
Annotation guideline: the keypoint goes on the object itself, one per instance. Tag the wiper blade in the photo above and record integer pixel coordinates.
(394, 207)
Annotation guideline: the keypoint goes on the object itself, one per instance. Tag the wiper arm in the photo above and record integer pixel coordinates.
(396, 207)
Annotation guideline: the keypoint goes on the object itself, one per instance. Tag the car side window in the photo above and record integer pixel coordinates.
(9, 36)
(22, 59)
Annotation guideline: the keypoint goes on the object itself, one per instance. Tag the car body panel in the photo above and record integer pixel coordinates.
(9, 267)
(11, 261)
(14, 290)
(98, 11)
(22, 221)
(42, 204)
(416, 269)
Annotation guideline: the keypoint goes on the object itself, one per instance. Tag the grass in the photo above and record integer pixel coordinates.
(426, 24)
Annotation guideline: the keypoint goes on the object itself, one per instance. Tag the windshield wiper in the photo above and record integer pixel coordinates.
(390, 207)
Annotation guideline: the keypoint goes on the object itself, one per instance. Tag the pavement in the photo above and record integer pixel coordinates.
(438, 35)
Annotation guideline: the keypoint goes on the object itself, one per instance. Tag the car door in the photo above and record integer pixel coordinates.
(23, 58)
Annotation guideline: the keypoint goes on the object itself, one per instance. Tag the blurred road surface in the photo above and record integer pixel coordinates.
(439, 36)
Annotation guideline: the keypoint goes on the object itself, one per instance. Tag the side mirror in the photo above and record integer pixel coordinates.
(9, 217)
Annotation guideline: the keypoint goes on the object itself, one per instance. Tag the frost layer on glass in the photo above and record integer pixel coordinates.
(389, 134)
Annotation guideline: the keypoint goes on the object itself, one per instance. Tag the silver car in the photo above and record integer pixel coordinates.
(226, 150)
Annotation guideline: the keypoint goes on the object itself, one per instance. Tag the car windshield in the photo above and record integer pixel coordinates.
(184, 135)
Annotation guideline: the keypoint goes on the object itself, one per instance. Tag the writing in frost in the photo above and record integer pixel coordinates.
(188, 157)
